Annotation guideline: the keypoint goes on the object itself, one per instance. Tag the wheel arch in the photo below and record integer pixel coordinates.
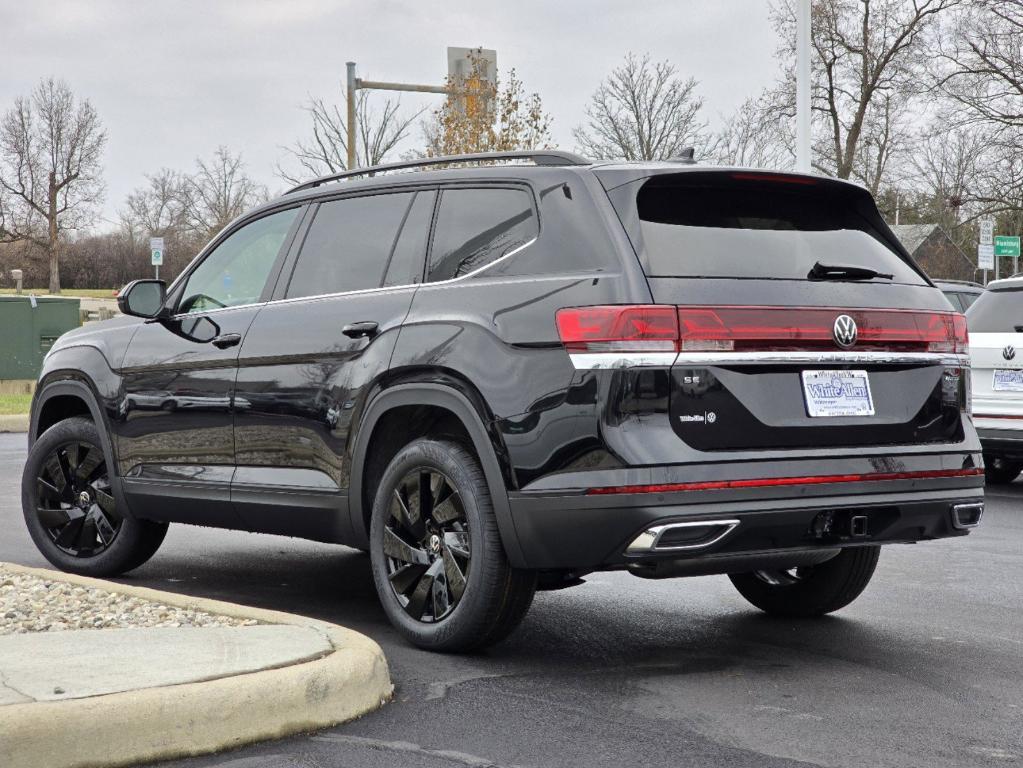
(66, 398)
(430, 395)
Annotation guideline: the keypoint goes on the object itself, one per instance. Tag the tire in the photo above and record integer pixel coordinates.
(443, 578)
(70, 509)
(809, 591)
(999, 471)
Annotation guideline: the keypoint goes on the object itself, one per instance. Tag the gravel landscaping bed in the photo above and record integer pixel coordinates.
(29, 603)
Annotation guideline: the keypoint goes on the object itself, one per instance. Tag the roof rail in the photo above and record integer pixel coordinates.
(538, 156)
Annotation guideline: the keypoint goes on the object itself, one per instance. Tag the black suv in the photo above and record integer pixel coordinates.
(500, 376)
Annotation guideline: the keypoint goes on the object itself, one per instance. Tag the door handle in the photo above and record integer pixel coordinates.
(225, 340)
(364, 330)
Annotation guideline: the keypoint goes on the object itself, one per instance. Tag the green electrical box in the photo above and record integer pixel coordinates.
(29, 325)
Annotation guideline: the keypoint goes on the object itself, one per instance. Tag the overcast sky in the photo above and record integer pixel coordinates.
(172, 80)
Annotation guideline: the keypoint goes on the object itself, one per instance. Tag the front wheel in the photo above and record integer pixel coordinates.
(811, 590)
(438, 562)
(999, 471)
(71, 510)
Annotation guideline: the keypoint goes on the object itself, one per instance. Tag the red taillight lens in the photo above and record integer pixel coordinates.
(662, 328)
(799, 328)
(634, 328)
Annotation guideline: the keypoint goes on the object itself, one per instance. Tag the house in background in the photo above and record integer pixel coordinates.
(936, 252)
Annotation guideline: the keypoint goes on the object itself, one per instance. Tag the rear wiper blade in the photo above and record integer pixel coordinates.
(838, 272)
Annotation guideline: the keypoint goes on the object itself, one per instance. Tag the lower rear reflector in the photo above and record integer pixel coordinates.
(767, 482)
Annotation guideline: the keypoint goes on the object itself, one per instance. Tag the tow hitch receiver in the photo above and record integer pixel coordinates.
(837, 525)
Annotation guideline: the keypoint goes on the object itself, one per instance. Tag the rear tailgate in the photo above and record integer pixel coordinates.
(996, 350)
(772, 359)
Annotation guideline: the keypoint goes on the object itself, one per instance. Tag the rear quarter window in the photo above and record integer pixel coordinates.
(716, 225)
(476, 227)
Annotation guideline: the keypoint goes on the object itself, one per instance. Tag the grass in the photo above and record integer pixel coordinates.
(89, 293)
(14, 404)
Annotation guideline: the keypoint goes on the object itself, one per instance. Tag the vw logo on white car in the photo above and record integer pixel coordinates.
(845, 331)
(1009, 352)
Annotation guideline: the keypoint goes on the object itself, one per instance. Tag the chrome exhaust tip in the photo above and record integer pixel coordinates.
(965, 516)
(677, 537)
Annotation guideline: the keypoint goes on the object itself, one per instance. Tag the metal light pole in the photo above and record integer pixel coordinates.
(357, 83)
(803, 86)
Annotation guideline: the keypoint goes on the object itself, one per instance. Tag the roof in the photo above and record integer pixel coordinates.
(912, 236)
(1005, 284)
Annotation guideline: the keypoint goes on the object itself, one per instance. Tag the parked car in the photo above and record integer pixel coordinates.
(996, 348)
(504, 377)
(960, 293)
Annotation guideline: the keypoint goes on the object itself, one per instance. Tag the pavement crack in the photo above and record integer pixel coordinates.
(407, 747)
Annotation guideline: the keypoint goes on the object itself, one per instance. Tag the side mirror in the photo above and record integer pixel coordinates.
(142, 298)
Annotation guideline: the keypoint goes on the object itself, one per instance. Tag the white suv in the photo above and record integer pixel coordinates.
(996, 348)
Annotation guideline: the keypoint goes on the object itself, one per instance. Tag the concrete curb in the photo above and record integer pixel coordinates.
(197, 718)
(17, 422)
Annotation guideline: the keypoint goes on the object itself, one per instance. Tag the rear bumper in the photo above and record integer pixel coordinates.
(1007, 443)
(584, 532)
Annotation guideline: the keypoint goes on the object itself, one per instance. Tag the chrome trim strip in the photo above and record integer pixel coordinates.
(594, 361)
(851, 356)
(508, 255)
(649, 540)
(600, 361)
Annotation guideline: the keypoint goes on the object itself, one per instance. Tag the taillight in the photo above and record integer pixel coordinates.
(664, 328)
(709, 329)
(636, 328)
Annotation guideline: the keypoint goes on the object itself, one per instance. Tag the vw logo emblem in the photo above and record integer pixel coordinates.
(1009, 352)
(845, 332)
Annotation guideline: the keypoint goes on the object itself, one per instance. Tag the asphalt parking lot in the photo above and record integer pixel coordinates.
(925, 669)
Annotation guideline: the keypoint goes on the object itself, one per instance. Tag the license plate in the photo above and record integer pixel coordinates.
(837, 393)
(1007, 380)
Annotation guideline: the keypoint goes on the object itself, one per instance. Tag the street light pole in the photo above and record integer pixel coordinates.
(351, 114)
(803, 86)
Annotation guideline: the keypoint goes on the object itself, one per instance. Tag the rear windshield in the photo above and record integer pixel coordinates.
(715, 226)
(996, 312)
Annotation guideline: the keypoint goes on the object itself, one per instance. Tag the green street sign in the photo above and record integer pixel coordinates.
(1006, 246)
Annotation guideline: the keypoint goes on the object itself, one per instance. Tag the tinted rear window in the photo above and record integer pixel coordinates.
(475, 227)
(996, 312)
(712, 226)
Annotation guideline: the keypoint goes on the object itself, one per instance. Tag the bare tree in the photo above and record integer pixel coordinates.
(754, 136)
(159, 208)
(980, 64)
(50, 148)
(326, 150)
(219, 191)
(642, 111)
(866, 54)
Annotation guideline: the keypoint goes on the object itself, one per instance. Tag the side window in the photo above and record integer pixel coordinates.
(478, 226)
(236, 271)
(954, 299)
(406, 264)
(348, 244)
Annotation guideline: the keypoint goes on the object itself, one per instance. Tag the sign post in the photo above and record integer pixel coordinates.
(985, 247)
(156, 251)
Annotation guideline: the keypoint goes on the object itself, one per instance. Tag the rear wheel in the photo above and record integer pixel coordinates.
(438, 562)
(812, 590)
(71, 510)
(999, 471)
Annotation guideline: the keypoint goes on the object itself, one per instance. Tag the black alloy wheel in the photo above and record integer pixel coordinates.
(427, 544)
(75, 505)
(71, 505)
(439, 567)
